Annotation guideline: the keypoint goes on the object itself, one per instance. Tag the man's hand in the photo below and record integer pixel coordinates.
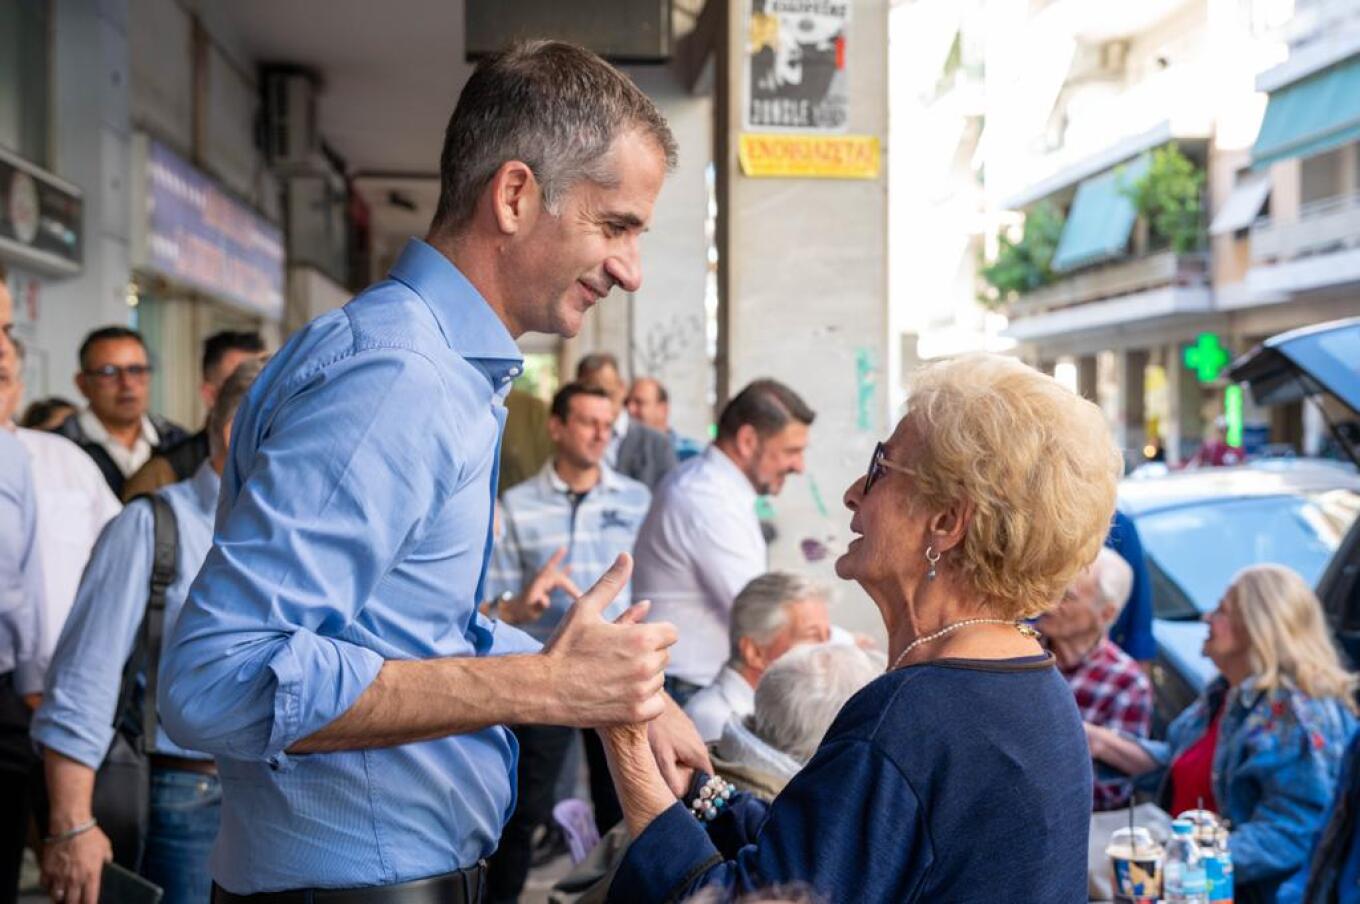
(533, 601)
(602, 673)
(678, 748)
(71, 869)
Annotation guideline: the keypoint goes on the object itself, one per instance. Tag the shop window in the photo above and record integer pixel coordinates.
(25, 78)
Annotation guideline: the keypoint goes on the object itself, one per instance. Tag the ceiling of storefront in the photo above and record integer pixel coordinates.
(391, 72)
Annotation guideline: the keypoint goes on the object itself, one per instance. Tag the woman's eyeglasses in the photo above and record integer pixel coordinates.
(879, 464)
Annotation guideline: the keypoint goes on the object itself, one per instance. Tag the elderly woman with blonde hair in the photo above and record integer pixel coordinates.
(1263, 745)
(961, 774)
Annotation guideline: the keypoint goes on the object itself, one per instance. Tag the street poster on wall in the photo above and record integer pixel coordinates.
(796, 66)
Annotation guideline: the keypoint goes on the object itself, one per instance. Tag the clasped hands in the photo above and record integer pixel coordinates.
(609, 675)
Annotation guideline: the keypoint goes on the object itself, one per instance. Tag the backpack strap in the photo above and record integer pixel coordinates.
(146, 652)
(164, 567)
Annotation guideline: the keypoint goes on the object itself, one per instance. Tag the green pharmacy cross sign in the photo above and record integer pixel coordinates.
(1207, 357)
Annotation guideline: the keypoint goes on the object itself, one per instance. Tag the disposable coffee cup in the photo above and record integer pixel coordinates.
(1135, 863)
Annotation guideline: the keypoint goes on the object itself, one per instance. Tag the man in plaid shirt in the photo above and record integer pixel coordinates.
(1110, 687)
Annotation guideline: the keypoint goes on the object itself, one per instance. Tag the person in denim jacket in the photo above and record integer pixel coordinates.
(1333, 875)
(1262, 747)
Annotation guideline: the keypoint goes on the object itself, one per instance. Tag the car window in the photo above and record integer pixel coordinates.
(1195, 550)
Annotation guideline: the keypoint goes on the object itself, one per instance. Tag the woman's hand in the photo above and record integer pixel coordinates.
(643, 793)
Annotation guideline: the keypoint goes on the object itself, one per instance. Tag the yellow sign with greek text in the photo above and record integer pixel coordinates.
(809, 156)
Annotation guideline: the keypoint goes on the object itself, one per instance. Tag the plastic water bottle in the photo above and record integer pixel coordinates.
(1183, 876)
(1218, 866)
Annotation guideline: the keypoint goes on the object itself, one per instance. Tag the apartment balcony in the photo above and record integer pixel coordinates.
(1124, 277)
(1318, 251)
(1329, 225)
(1145, 288)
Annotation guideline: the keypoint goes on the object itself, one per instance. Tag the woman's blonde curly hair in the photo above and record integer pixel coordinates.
(1035, 461)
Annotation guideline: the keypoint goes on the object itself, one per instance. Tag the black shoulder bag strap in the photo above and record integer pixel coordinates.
(146, 655)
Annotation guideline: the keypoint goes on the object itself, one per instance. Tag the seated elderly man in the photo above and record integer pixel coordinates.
(1110, 687)
(796, 701)
(772, 614)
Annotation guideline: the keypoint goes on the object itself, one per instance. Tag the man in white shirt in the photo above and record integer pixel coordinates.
(115, 429)
(773, 614)
(701, 542)
(73, 502)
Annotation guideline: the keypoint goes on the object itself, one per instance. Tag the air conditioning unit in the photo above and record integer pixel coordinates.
(290, 135)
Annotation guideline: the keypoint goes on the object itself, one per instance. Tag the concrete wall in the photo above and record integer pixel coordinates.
(806, 301)
(90, 145)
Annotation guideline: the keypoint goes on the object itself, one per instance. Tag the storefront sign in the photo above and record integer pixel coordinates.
(39, 217)
(796, 66)
(199, 235)
(1207, 357)
(811, 156)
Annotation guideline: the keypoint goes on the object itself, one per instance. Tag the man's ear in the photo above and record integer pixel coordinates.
(747, 441)
(515, 197)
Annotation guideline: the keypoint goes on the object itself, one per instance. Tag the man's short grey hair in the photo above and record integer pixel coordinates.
(800, 694)
(553, 106)
(1114, 579)
(229, 399)
(759, 612)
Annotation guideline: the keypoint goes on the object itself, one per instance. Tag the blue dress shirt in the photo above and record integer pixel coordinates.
(354, 527)
(21, 585)
(76, 718)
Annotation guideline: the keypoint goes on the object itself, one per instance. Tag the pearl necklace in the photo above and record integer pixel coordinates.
(950, 629)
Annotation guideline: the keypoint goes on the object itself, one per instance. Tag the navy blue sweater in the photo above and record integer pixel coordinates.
(951, 781)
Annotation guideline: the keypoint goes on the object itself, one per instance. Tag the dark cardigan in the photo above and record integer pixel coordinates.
(955, 780)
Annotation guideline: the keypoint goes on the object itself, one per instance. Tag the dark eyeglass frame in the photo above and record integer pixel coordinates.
(879, 464)
(112, 372)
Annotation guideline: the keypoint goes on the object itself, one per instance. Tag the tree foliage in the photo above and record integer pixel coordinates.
(1023, 264)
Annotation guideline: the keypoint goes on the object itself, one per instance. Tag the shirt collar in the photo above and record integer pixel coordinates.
(621, 423)
(725, 466)
(469, 325)
(609, 479)
(206, 486)
(738, 692)
(95, 430)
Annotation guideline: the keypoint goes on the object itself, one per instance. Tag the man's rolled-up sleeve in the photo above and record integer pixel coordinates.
(267, 650)
(83, 682)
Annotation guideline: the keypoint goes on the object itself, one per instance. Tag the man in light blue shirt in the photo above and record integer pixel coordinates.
(21, 604)
(331, 654)
(75, 724)
(576, 515)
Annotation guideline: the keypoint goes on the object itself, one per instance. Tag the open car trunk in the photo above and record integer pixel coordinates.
(1314, 360)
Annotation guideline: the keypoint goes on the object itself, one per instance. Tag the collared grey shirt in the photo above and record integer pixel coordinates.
(542, 514)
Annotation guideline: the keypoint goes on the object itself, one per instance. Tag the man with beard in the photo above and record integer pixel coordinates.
(701, 542)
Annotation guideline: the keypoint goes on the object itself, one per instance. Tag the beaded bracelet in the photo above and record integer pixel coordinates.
(712, 797)
(70, 833)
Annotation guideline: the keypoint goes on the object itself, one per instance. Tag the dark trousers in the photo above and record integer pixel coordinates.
(542, 749)
(19, 770)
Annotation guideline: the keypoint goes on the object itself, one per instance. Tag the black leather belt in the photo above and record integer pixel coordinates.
(462, 887)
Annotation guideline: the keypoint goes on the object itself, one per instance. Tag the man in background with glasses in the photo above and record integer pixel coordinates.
(115, 428)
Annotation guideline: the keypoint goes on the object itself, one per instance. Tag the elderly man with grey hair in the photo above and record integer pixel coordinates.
(772, 614)
(1110, 687)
